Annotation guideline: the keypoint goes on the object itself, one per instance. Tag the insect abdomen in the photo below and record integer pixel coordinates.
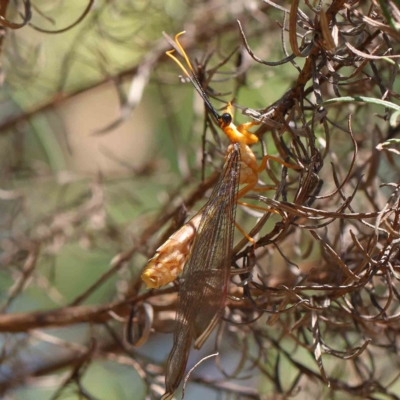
(170, 258)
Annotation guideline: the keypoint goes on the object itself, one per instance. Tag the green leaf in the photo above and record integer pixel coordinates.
(363, 99)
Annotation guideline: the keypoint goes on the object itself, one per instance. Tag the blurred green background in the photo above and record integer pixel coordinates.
(87, 161)
(86, 191)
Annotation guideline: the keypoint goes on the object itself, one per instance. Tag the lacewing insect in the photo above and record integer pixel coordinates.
(170, 258)
(204, 282)
(202, 248)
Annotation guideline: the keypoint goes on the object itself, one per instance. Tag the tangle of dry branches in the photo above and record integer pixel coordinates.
(313, 308)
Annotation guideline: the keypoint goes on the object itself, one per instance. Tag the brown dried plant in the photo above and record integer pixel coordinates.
(313, 309)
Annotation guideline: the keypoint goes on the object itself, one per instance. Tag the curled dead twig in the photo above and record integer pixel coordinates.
(323, 278)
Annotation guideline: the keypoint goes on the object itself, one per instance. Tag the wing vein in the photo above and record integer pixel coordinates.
(204, 282)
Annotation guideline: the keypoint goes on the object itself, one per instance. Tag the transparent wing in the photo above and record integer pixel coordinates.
(204, 282)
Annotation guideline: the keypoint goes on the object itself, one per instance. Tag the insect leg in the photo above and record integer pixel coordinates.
(254, 207)
(243, 232)
(263, 163)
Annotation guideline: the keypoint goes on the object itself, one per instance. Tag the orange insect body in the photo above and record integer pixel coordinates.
(170, 258)
(205, 243)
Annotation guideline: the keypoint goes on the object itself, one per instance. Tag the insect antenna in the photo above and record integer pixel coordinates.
(192, 76)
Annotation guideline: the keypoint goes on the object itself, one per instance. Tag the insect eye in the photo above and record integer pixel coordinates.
(226, 118)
